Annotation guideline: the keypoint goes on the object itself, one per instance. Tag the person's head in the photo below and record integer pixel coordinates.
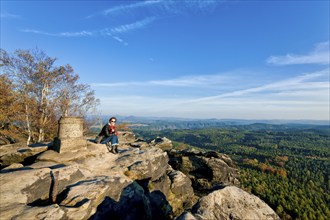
(113, 120)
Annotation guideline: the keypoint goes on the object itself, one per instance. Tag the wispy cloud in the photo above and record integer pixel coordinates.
(9, 15)
(111, 32)
(307, 81)
(305, 96)
(76, 34)
(133, 26)
(320, 55)
(229, 80)
(61, 34)
(125, 8)
(193, 81)
(185, 81)
(153, 9)
(161, 7)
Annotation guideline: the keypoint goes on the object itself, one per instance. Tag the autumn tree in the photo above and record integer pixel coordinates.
(10, 109)
(20, 69)
(47, 91)
(9, 105)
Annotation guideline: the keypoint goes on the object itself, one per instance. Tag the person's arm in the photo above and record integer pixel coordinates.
(107, 130)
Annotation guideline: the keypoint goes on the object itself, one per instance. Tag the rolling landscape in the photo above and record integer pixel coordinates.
(287, 165)
(242, 83)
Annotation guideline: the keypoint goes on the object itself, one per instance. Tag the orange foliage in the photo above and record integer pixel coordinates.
(282, 173)
(265, 168)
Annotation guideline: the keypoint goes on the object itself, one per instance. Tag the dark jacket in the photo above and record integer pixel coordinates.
(106, 131)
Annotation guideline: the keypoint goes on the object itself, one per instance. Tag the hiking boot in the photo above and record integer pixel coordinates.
(109, 146)
(115, 148)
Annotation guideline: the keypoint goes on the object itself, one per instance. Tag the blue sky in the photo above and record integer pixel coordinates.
(191, 59)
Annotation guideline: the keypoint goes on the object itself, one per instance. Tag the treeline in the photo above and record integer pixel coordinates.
(288, 169)
(35, 93)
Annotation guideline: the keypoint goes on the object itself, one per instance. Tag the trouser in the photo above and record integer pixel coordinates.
(112, 143)
(112, 138)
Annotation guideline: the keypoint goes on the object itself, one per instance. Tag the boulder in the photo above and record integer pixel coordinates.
(206, 170)
(80, 200)
(162, 143)
(177, 189)
(140, 144)
(18, 153)
(181, 195)
(126, 137)
(232, 203)
(66, 157)
(186, 216)
(21, 188)
(12, 167)
(143, 164)
(44, 212)
(132, 204)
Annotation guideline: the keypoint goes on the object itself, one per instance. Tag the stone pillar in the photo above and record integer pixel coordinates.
(70, 127)
(70, 135)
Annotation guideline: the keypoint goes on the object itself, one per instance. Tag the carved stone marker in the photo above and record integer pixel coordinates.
(70, 127)
(70, 135)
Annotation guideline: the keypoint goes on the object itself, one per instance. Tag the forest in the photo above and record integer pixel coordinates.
(288, 168)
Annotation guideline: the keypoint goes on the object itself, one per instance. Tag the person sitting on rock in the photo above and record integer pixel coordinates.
(109, 136)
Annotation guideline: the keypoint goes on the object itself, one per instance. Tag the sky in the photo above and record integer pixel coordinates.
(189, 59)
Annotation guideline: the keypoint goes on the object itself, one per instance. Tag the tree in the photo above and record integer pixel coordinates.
(74, 99)
(10, 109)
(20, 69)
(9, 105)
(46, 90)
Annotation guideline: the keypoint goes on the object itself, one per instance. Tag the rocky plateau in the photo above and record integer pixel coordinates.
(145, 180)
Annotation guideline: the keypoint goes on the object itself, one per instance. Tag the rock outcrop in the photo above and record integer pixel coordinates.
(93, 183)
(208, 171)
(16, 153)
(230, 202)
(141, 182)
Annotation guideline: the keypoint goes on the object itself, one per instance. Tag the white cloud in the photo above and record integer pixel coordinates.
(9, 15)
(320, 55)
(155, 9)
(36, 32)
(193, 81)
(111, 32)
(161, 7)
(238, 107)
(76, 34)
(302, 97)
(300, 83)
(132, 26)
(186, 81)
(125, 8)
(62, 34)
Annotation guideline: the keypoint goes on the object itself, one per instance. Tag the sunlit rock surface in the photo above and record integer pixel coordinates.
(137, 183)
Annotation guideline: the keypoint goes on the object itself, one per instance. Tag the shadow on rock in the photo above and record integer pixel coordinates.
(136, 202)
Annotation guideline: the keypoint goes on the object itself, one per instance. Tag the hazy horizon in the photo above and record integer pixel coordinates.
(122, 118)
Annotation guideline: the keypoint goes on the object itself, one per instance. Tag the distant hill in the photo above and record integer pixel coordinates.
(163, 123)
